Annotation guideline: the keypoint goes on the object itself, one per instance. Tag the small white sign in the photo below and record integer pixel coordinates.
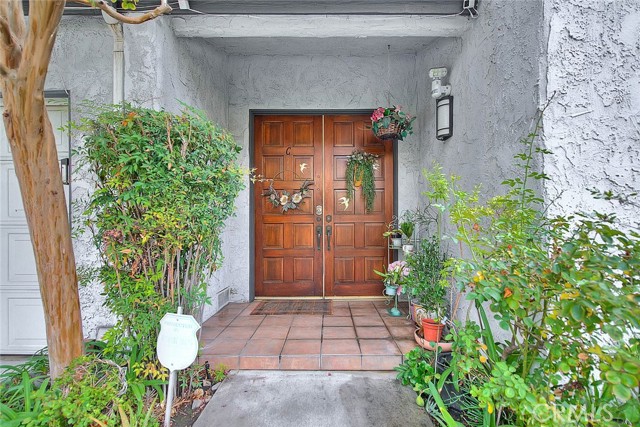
(177, 341)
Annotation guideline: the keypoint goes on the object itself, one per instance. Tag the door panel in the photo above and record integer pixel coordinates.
(359, 247)
(288, 149)
(291, 258)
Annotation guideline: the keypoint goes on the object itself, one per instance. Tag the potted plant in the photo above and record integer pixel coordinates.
(426, 282)
(360, 173)
(394, 277)
(407, 228)
(391, 123)
(395, 237)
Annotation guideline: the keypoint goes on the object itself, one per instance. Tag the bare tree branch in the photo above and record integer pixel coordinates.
(12, 11)
(10, 44)
(101, 4)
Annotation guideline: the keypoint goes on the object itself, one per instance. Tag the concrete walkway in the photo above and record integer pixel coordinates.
(313, 399)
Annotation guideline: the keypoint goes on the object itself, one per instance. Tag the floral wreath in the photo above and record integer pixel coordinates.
(285, 199)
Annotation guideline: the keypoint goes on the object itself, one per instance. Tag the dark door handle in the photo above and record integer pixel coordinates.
(64, 171)
(319, 237)
(328, 237)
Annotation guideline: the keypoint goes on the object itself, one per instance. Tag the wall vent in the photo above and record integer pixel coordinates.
(223, 297)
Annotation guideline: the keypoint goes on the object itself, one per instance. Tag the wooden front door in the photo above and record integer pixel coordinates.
(324, 247)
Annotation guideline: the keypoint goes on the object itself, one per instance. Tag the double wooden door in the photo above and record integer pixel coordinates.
(328, 245)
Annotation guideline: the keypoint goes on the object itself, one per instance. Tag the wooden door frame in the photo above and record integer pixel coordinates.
(252, 208)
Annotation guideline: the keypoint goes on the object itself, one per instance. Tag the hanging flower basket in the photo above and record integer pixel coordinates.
(391, 132)
(391, 123)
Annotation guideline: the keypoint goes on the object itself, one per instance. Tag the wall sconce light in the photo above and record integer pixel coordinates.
(444, 103)
(444, 117)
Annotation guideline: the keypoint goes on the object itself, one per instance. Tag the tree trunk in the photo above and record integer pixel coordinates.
(37, 168)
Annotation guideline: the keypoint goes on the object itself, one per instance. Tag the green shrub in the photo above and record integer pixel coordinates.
(164, 186)
(567, 289)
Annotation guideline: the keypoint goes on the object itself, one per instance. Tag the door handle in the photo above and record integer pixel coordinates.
(64, 171)
(319, 237)
(328, 237)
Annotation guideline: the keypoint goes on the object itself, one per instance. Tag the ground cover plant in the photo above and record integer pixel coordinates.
(94, 390)
(567, 290)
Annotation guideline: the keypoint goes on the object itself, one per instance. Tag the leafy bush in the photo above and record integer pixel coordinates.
(88, 390)
(427, 281)
(22, 390)
(91, 391)
(164, 186)
(567, 289)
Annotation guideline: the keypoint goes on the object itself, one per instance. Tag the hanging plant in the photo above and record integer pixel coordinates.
(360, 167)
(391, 123)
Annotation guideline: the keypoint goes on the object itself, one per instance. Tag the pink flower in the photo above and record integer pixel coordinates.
(377, 114)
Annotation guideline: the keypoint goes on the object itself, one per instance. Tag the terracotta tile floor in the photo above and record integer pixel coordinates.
(359, 335)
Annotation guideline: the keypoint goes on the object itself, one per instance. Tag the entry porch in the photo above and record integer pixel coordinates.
(357, 335)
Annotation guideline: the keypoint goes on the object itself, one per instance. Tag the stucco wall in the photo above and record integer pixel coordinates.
(493, 70)
(318, 83)
(593, 122)
(163, 70)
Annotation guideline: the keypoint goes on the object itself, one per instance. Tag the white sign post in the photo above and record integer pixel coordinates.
(177, 349)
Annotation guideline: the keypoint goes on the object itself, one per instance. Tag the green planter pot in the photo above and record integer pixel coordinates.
(390, 290)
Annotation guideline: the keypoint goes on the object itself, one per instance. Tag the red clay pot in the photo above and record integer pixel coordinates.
(432, 330)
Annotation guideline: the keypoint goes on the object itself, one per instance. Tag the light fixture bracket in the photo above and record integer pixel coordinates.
(438, 90)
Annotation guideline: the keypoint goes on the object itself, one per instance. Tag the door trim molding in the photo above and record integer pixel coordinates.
(269, 111)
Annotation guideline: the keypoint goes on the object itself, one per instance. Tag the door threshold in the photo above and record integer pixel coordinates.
(344, 298)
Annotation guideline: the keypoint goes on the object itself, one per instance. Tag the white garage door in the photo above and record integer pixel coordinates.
(22, 327)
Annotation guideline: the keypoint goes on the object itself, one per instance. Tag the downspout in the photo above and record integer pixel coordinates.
(118, 58)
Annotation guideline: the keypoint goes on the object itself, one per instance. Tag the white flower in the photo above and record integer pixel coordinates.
(297, 198)
(284, 199)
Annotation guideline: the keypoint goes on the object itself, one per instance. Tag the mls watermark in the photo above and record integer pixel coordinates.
(572, 416)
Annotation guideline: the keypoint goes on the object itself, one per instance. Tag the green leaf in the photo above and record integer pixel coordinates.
(612, 377)
(577, 312)
(621, 392)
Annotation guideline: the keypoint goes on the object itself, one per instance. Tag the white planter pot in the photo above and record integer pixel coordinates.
(407, 249)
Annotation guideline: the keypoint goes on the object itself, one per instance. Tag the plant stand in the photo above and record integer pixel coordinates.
(394, 311)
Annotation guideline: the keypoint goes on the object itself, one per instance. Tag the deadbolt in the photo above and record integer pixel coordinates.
(329, 218)
(319, 210)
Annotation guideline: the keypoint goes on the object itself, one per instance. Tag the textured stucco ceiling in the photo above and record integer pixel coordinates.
(339, 46)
